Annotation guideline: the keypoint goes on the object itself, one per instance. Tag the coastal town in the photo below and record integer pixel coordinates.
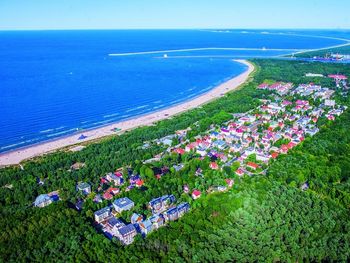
(246, 144)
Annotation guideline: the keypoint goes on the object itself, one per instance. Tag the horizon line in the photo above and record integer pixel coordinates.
(194, 28)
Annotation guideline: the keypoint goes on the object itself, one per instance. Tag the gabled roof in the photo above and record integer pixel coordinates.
(252, 165)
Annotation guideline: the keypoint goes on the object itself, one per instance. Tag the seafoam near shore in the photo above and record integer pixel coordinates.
(16, 156)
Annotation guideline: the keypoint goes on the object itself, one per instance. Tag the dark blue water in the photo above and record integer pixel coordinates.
(55, 82)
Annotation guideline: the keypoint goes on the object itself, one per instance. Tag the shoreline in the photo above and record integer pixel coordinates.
(18, 155)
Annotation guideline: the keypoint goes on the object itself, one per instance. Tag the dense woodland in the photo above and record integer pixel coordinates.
(262, 218)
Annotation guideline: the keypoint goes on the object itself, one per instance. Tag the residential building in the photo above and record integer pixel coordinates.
(159, 204)
(102, 214)
(171, 214)
(113, 225)
(123, 204)
(183, 208)
(113, 178)
(43, 200)
(85, 188)
(126, 234)
(157, 220)
(136, 218)
(196, 194)
(146, 226)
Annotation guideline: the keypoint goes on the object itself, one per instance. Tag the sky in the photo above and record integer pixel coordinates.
(171, 14)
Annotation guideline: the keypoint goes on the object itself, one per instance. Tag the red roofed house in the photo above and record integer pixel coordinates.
(252, 165)
(214, 166)
(229, 182)
(263, 86)
(302, 102)
(139, 182)
(337, 77)
(291, 145)
(275, 85)
(284, 148)
(113, 190)
(103, 180)
(107, 196)
(196, 194)
(274, 155)
(286, 103)
(119, 174)
(191, 146)
(239, 172)
(331, 117)
(179, 151)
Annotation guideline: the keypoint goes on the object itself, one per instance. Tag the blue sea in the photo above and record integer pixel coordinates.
(55, 83)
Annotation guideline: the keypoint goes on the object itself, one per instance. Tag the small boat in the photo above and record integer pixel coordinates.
(165, 56)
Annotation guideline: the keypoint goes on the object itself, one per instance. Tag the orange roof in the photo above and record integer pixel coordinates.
(139, 182)
(252, 165)
(274, 155)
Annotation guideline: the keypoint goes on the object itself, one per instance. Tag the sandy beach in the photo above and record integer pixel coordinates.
(16, 156)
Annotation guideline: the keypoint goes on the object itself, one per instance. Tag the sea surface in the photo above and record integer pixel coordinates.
(55, 83)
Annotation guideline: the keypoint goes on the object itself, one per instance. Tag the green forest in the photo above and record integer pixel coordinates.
(264, 218)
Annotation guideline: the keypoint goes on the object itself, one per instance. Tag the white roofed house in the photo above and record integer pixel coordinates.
(43, 200)
(117, 180)
(317, 112)
(136, 218)
(102, 214)
(262, 157)
(167, 140)
(201, 151)
(220, 144)
(311, 131)
(85, 188)
(236, 147)
(157, 221)
(113, 225)
(146, 226)
(123, 204)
